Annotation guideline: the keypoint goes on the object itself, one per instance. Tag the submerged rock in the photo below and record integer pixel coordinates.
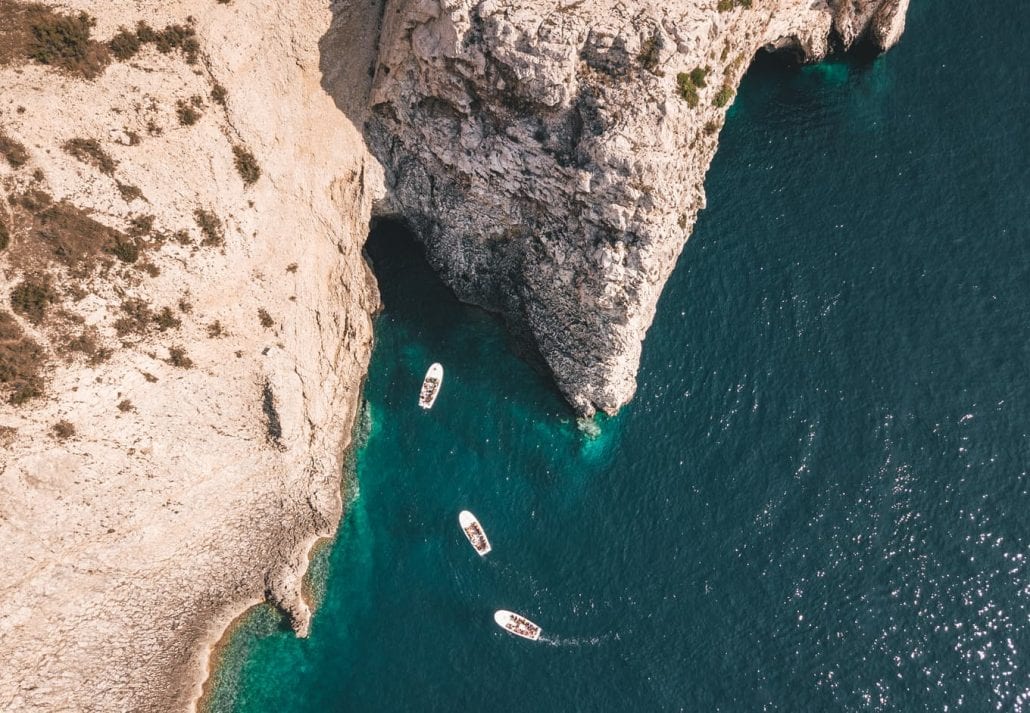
(551, 158)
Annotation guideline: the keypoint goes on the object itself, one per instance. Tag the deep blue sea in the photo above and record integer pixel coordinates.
(818, 500)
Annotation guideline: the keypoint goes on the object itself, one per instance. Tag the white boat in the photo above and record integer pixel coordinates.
(517, 624)
(474, 532)
(430, 386)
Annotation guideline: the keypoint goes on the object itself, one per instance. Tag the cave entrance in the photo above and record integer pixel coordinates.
(422, 320)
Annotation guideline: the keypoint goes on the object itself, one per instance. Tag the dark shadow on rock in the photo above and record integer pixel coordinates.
(347, 55)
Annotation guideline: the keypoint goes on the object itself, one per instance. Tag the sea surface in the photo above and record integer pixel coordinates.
(818, 499)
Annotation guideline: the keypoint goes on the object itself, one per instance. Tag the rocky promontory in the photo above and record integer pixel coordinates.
(551, 157)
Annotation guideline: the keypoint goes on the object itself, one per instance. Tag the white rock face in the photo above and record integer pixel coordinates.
(548, 162)
(129, 547)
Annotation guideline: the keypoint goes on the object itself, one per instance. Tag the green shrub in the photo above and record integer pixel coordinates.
(31, 298)
(723, 96)
(166, 320)
(265, 318)
(126, 44)
(650, 52)
(145, 33)
(180, 37)
(125, 406)
(246, 165)
(687, 90)
(129, 192)
(698, 76)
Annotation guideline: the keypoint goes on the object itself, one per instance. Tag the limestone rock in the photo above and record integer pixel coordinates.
(553, 166)
(130, 545)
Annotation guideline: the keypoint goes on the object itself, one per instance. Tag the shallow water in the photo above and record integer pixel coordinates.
(818, 499)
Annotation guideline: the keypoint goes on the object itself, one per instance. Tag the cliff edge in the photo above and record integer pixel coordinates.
(552, 156)
(185, 324)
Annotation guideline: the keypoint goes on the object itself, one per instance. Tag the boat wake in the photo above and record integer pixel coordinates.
(580, 640)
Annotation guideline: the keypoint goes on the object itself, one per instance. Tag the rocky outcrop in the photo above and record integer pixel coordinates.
(552, 156)
(878, 22)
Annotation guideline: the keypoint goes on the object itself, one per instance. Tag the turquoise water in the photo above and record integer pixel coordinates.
(818, 499)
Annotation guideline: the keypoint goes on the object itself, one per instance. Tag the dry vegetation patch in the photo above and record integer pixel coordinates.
(87, 343)
(13, 151)
(21, 362)
(89, 151)
(138, 318)
(60, 232)
(126, 43)
(32, 297)
(63, 430)
(129, 192)
(210, 225)
(246, 165)
(177, 357)
(32, 31)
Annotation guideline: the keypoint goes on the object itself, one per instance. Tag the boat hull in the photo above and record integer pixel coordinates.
(431, 385)
(474, 533)
(517, 625)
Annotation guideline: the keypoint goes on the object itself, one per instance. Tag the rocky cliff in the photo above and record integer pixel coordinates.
(185, 323)
(551, 156)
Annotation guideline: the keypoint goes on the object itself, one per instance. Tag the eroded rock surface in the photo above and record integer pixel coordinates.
(146, 495)
(552, 156)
